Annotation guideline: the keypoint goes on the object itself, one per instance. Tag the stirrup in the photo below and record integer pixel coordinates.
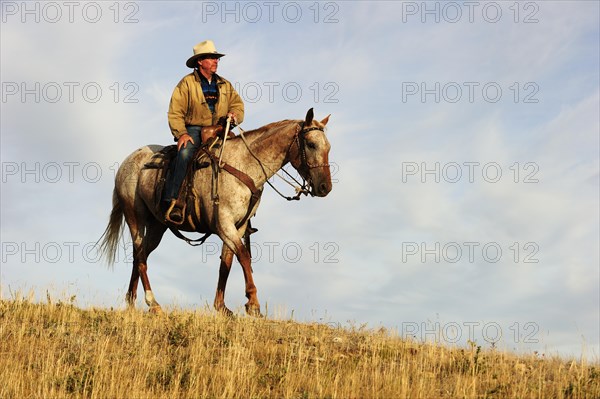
(168, 214)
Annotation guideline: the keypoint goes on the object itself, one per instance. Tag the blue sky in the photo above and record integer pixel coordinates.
(465, 143)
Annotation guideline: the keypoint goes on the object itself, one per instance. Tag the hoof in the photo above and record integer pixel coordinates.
(225, 311)
(253, 310)
(130, 301)
(155, 309)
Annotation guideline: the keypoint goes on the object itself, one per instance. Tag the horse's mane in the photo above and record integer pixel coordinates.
(273, 126)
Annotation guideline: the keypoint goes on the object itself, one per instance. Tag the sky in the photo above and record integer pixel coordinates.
(465, 160)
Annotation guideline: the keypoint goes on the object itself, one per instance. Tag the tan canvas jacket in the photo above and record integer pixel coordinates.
(188, 106)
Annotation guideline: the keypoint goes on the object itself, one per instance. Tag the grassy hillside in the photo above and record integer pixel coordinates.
(58, 350)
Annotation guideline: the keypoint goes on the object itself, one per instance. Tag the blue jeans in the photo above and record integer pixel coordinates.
(180, 163)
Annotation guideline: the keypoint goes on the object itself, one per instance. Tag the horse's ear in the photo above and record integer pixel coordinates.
(325, 120)
(309, 117)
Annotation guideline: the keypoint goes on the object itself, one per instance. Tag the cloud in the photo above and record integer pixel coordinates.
(412, 170)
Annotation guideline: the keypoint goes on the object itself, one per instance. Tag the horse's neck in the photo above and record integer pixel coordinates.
(271, 148)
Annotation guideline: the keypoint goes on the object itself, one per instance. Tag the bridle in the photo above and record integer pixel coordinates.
(301, 143)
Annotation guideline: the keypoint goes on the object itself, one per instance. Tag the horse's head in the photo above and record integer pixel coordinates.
(310, 155)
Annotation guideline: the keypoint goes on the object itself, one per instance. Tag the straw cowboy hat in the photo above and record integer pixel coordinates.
(206, 47)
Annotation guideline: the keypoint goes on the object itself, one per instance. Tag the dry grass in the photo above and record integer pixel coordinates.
(57, 350)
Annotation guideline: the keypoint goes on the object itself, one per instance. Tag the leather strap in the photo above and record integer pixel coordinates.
(244, 178)
(193, 243)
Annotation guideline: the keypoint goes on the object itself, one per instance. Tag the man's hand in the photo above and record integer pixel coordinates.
(223, 120)
(233, 117)
(182, 141)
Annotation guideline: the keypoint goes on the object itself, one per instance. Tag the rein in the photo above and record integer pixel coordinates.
(301, 188)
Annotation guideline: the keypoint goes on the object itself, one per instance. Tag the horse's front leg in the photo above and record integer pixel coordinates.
(224, 269)
(252, 306)
(232, 238)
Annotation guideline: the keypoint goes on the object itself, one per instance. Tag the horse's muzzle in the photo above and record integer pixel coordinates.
(322, 189)
(319, 180)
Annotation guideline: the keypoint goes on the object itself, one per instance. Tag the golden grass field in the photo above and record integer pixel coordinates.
(56, 350)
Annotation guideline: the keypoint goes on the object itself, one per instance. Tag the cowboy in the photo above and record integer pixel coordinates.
(199, 100)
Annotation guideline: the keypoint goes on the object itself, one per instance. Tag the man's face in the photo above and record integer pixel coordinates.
(208, 65)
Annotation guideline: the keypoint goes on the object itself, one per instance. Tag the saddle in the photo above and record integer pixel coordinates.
(211, 137)
(187, 200)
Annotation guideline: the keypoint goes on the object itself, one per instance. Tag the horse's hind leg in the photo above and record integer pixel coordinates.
(154, 233)
(135, 228)
(131, 295)
(224, 269)
(144, 242)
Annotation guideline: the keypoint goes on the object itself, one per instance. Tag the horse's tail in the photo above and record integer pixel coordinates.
(110, 237)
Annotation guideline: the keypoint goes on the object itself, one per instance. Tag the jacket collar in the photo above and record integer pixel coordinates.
(199, 76)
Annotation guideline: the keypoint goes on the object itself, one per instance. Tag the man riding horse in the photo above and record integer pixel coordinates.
(201, 99)
(198, 102)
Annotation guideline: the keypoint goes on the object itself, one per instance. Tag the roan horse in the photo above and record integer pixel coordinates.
(263, 152)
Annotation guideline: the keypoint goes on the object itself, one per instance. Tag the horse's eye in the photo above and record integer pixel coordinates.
(311, 145)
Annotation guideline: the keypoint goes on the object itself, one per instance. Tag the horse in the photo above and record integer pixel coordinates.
(258, 154)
